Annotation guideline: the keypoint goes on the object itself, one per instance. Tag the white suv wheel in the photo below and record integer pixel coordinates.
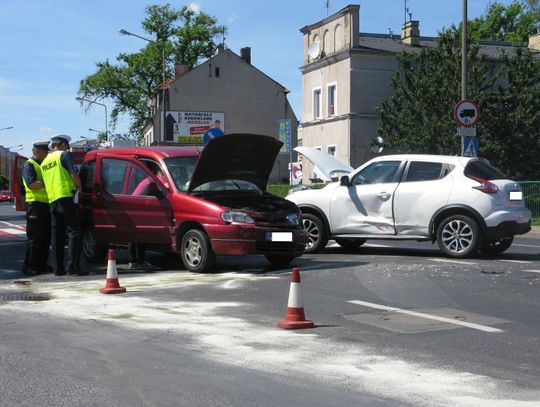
(458, 236)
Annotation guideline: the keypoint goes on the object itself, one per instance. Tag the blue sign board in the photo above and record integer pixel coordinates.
(470, 147)
(284, 134)
(211, 133)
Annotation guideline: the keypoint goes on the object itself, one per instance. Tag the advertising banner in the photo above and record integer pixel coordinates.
(194, 128)
(284, 134)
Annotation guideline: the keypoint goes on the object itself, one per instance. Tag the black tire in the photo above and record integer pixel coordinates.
(279, 259)
(92, 251)
(316, 233)
(350, 244)
(498, 246)
(458, 236)
(196, 251)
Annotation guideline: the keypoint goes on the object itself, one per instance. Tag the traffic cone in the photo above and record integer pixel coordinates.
(112, 285)
(294, 317)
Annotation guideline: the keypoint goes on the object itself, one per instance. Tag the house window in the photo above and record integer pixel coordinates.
(332, 99)
(317, 103)
(331, 150)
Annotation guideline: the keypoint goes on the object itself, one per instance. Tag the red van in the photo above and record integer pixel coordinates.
(197, 202)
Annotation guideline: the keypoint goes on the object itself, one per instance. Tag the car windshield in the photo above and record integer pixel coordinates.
(228, 185)
(180, 169)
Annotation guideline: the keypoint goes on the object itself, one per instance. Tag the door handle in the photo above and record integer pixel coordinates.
(384, 195)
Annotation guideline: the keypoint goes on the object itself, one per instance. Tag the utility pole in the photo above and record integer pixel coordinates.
(464, 52)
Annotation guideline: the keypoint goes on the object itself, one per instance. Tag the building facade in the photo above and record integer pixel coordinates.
(347, 74)
(226, 92)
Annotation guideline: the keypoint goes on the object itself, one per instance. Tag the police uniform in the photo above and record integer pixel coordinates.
(57, 168)
(38, 217)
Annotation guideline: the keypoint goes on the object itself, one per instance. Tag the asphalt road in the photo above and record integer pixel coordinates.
(397, 324)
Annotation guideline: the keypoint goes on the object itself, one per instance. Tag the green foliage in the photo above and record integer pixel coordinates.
(182, 36)
(506, 23)
(418, 116)
(4, 182)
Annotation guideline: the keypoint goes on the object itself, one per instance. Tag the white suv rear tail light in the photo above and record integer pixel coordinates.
(485, 185)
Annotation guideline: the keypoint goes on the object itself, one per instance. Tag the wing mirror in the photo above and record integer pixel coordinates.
(344, 181)
(154, 190)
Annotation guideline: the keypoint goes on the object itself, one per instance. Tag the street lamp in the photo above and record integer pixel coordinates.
(6, 128)
(162, 124)
(96, 103)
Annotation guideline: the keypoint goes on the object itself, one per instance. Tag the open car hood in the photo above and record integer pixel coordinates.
(247, 157)
(326, 164)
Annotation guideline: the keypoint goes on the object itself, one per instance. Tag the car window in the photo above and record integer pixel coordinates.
(180, 170)
(484, 170)
(87, 176)
(423, 171)
(120, 177)
(377, 173)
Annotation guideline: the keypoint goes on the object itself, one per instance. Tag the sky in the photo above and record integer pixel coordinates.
(48, 46)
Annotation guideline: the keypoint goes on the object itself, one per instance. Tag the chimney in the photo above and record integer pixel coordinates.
(245, 54)
(534, 42)
(180, 70)
(410, 33)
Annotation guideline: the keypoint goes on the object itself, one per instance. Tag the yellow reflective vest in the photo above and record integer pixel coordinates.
(57, 179)
(39, 194)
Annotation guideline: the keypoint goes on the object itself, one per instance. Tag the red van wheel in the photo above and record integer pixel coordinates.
(196, 251)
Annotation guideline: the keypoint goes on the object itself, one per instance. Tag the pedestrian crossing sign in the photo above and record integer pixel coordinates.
(470, 147)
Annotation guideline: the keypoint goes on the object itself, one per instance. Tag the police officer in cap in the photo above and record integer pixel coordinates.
(38, 217)
(62, 182)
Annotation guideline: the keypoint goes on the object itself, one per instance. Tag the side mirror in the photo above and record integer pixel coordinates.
(154, 190)
(344, 181)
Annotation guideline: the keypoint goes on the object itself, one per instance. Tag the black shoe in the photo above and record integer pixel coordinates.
(59, 273)
(45, 270)
(79, 273)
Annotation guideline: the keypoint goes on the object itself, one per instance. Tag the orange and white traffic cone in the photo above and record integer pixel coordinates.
(112, 286)
(294, 317)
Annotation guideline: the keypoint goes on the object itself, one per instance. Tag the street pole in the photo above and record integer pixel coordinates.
(80, 99)
(163, 65)
(464, 52)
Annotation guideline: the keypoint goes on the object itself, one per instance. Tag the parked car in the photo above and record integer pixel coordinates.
(465, 204)
(6, 196)
(210, 201)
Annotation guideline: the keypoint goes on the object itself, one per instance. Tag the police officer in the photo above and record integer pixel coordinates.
(62, 182)
(38, 217)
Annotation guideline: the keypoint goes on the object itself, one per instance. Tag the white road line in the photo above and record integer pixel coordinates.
(517, 261)
(428, 316)
(14, 231)
(453, 261)
(526, 245)
(13, 225)
(532, 271)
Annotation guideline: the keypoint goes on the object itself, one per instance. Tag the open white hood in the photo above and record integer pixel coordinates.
(327, 165)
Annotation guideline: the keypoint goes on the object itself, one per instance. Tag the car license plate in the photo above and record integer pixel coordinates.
(516, 195)
(279, 236)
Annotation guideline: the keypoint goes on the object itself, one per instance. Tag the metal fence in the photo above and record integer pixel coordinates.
(531, 193)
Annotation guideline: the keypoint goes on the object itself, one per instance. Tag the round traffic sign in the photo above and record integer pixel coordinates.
(466, 113)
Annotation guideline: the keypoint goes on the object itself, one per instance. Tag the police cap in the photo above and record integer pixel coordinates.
(41, 145)
(62, 138)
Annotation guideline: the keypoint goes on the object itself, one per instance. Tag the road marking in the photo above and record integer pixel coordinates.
(532, 271)
(517, 261)
(526, 245)
(428, 316)
(13, 225)
(453, 261)
(14, 231)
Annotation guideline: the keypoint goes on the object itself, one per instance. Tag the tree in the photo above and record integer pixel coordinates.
(418, 115)
(4, 182)
(186, 37)
(506, 23)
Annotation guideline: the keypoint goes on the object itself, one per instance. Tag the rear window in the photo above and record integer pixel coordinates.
(424, 171)
(484, 170)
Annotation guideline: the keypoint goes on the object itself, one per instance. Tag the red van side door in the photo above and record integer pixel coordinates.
(119, 216)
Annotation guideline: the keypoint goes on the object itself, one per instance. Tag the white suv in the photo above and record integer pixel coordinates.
(464, 204)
